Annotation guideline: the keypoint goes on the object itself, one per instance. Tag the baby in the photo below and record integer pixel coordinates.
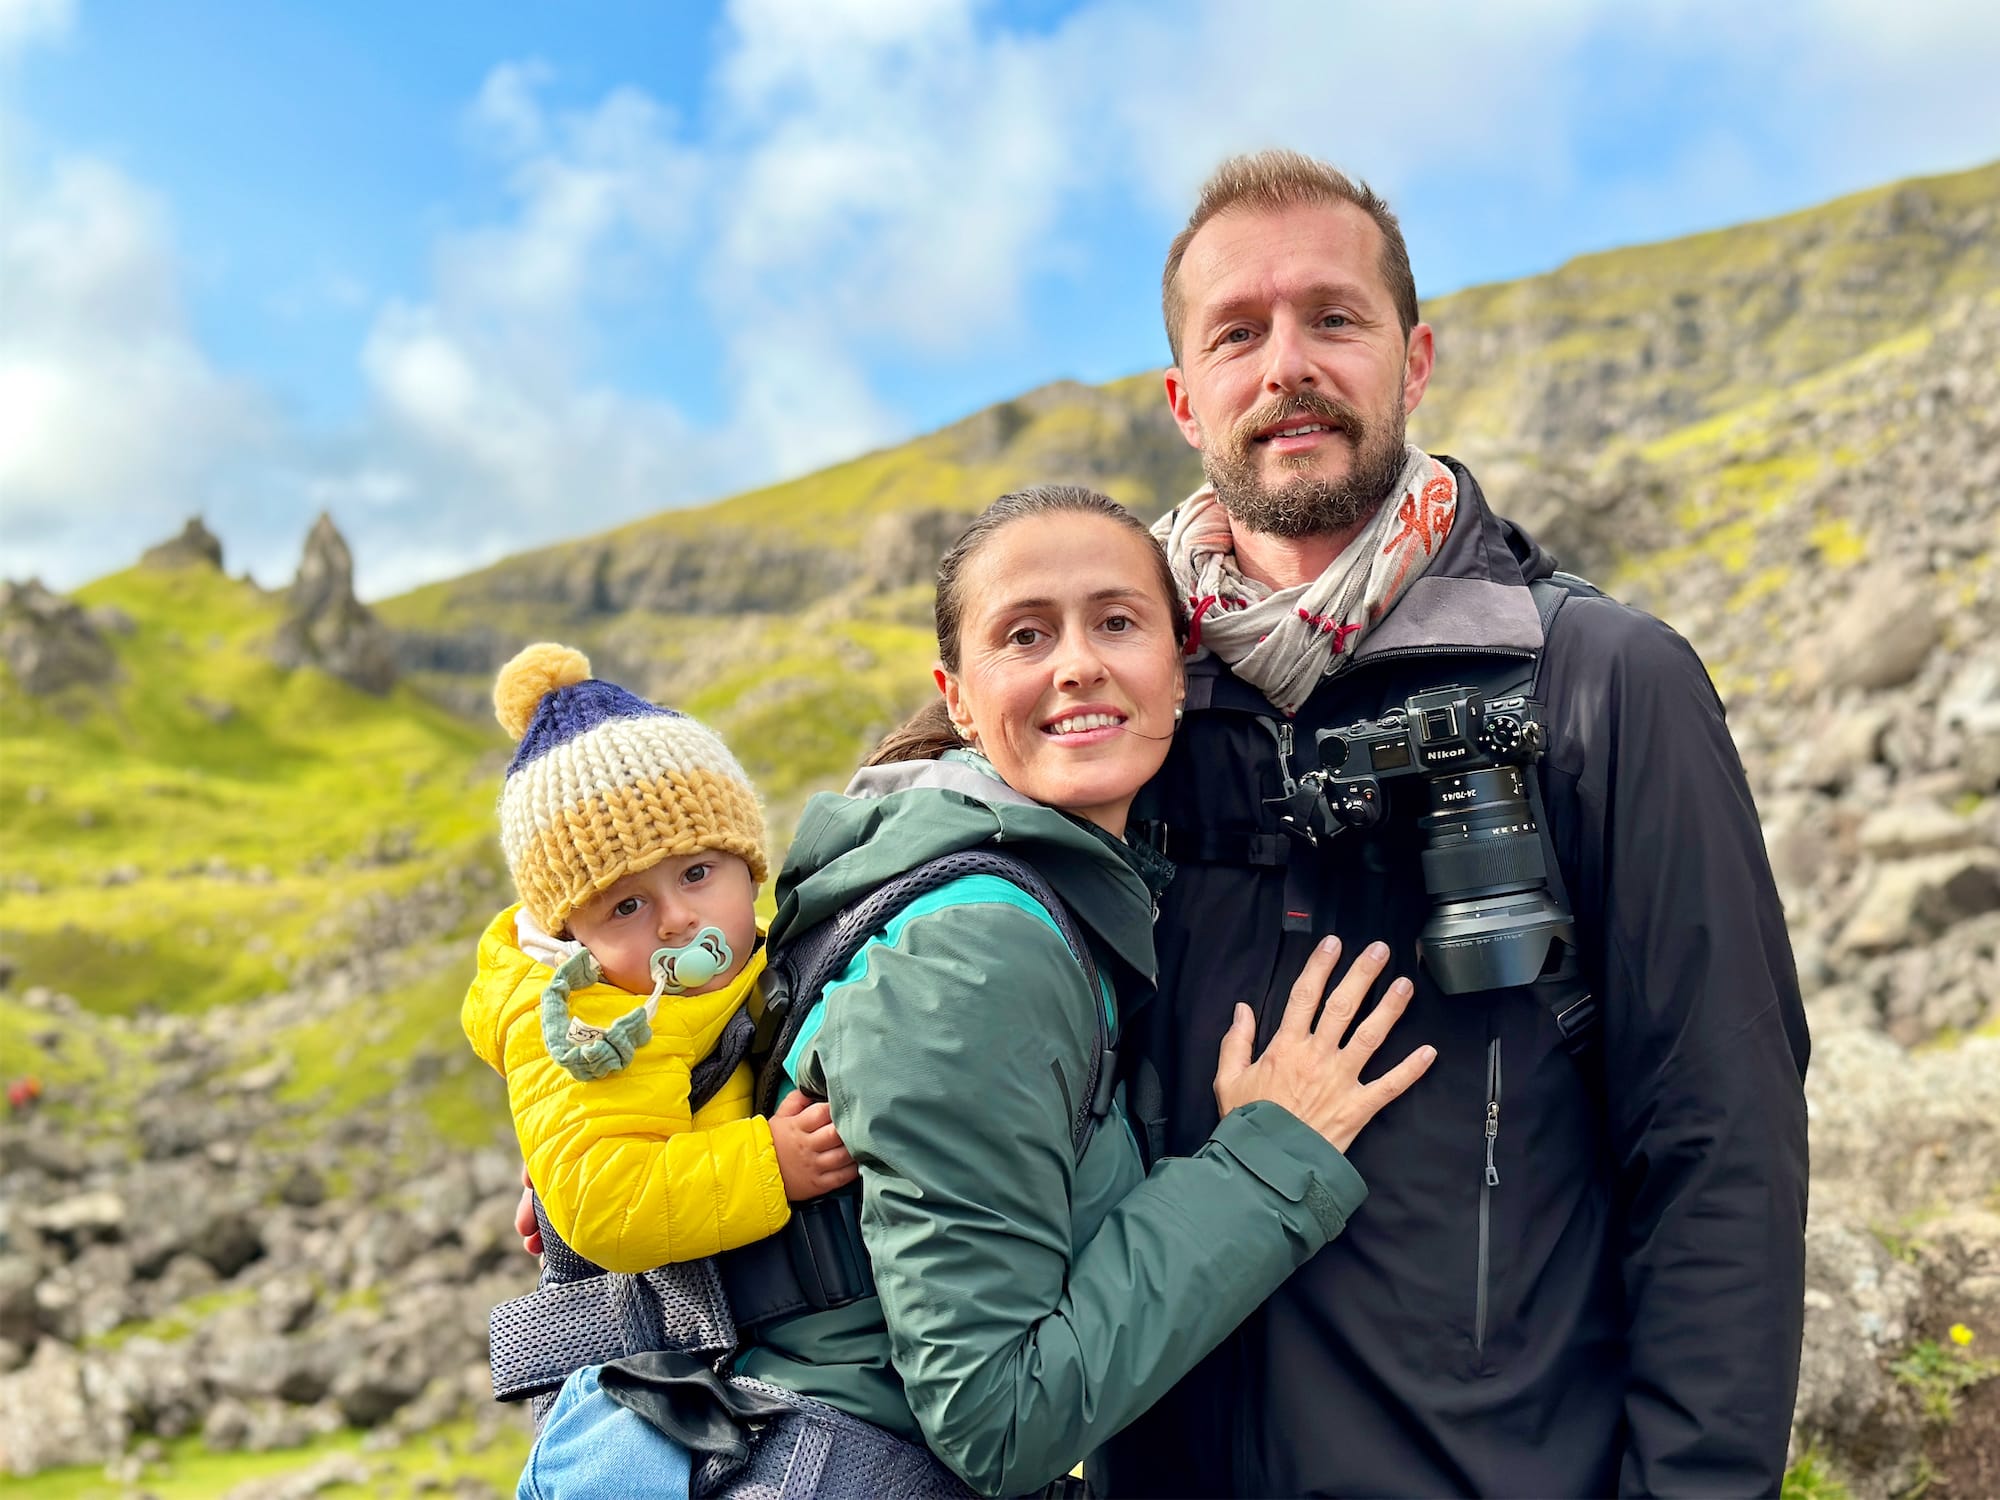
(637, 847)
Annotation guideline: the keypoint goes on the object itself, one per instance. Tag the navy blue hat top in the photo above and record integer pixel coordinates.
(577, 709)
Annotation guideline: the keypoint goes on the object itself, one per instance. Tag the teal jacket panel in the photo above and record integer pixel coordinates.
(1029, 1304)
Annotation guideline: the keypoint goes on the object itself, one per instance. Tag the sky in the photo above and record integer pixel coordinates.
(477, 277)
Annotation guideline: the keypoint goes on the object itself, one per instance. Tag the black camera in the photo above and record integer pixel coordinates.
(1494, 922)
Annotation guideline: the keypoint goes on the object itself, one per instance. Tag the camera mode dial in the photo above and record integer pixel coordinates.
(1500, 735)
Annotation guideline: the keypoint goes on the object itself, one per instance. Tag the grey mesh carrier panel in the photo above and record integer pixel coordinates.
(820, 1451)
(582, 1314)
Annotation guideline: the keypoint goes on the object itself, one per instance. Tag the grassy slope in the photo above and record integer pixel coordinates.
(246, 809)
(1708, 323)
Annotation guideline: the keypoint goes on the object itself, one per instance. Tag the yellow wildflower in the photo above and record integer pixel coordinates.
(1961, 1335)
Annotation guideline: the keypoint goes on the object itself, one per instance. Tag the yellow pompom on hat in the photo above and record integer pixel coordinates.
(605, 784)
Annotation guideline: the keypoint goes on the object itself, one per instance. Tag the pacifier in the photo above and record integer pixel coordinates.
(676, 971)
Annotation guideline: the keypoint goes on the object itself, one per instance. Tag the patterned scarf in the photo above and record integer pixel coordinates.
(1284, 641)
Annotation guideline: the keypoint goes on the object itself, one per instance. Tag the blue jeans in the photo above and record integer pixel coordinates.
(591, 1448)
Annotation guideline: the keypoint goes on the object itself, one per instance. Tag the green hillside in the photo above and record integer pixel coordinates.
(210, 826)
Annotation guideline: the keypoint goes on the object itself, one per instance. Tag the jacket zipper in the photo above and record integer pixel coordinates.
(1487, 1184)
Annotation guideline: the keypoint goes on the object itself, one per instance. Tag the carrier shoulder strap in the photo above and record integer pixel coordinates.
(801, 968)
(818, 1261)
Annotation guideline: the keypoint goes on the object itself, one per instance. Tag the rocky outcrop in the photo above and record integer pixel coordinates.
(196, 546)
(214, 1285)
(328, 627)
(50, 643)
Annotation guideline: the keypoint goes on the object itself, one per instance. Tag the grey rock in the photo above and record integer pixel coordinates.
(333, 1472)
(1830, 759)
(1913, 900)
(48, 641)
(19, 1320)
(155, 1386)
(81, 1219)
(1881, 638)
(328, 627)
(182, 1277)
(1911, 829)
(48, 1418)
(228, 1241)
(1861, 1308)
(196, 546)
(1960, 1256)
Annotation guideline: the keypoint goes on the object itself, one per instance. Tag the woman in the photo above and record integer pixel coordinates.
(1030, 1302)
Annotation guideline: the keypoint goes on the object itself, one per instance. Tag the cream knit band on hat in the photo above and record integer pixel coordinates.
(605, 785)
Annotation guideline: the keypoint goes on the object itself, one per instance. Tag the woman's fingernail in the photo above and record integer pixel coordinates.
(1329, 944)
(1403, 988)
(1379, 952)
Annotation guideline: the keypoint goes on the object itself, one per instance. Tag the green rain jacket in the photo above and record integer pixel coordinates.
(1029, 1304)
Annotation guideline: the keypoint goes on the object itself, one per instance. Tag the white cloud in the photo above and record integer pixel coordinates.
(26, 21)
(113, 423)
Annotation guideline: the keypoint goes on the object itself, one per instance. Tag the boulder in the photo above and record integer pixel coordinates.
(1910, 830)
(1881, 637)
(49, 643)
(48, 1417)
(1910, 901)
(1862, 1305)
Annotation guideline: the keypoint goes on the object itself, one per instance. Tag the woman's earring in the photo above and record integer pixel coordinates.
(1180, 712)
(962, 731)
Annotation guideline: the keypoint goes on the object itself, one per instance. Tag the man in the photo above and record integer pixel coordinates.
(1575, 1274)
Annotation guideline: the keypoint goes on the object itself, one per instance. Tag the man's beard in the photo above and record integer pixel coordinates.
(1307, 505)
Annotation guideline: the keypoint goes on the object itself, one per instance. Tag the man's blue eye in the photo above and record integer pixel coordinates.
(1335, 320)
(1236, 335)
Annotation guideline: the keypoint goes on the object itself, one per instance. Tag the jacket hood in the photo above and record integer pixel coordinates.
(888, 823)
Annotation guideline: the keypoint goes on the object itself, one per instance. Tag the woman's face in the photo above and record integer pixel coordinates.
(1069, 672)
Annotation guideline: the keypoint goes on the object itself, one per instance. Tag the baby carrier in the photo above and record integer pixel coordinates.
(668, 1335)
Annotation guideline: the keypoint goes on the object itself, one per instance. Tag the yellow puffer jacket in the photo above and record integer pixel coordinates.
(626, 1176)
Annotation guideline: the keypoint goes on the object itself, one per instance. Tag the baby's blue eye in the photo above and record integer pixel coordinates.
(626, 907)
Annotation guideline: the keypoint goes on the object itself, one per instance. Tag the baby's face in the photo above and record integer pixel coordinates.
(665, 907)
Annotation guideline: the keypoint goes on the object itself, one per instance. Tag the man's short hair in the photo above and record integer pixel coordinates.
(1266, 182)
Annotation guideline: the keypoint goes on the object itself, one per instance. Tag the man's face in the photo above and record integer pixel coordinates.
(1295, 377)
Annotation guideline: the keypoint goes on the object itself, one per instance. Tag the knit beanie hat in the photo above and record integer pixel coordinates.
(605, 784)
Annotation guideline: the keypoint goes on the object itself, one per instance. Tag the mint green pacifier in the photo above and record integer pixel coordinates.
(679, 970)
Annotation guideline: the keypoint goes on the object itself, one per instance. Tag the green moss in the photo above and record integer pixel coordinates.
(1812, 1478)
(424, 1464)
(1938, 1373)
(1838, 543)
(177, 1324)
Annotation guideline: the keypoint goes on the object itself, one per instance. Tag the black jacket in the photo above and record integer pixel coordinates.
(1638, 1263)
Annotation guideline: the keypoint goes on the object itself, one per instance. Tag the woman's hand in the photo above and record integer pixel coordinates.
(1306, 1069)
(811, 1158)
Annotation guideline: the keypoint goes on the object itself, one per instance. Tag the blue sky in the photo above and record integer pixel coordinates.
(476, 277)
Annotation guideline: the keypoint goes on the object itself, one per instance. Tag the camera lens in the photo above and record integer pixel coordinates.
(1493, 921)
